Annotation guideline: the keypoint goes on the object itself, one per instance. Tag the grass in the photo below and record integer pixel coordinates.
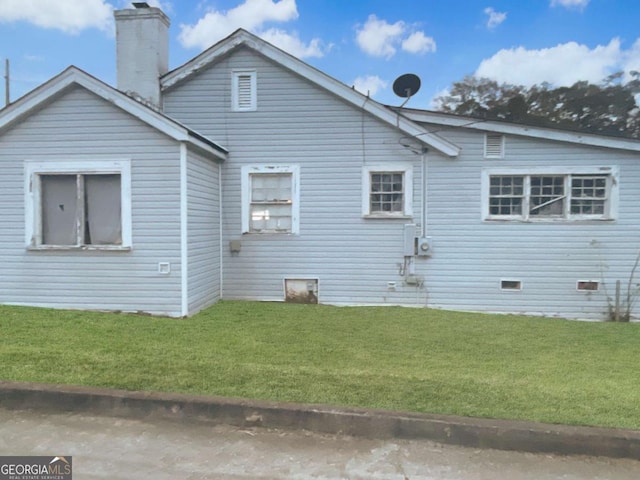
(421, 360)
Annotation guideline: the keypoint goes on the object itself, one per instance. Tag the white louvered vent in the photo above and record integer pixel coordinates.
(244, 91)
(494, 145)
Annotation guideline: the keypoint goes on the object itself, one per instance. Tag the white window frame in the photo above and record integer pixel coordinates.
(246, 172)
(487, 153)
(611, 205)
(406, 170)
(33, 216)
(236, 106)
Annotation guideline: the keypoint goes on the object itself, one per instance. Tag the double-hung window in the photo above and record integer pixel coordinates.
(550, 194)
(270, 199)
(78, 205)
(387, 191)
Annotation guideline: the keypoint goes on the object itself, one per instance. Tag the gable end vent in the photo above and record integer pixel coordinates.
(244, 91)
(494, 145)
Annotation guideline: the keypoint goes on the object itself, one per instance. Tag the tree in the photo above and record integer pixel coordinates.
(607, 108)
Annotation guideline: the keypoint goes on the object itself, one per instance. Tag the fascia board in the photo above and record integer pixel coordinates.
(524, 130)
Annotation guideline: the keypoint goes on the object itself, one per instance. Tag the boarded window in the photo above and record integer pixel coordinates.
(59, 209)
(271, 202)
(103, 210)
(81, 209)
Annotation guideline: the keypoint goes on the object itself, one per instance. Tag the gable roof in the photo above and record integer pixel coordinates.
(497, 126)
(242, 38)
(74, 76)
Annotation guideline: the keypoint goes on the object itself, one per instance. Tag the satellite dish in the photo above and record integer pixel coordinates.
(406, 85)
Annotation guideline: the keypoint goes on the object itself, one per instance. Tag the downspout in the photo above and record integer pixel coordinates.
(184, 248)
(425, 202)
(220, 226)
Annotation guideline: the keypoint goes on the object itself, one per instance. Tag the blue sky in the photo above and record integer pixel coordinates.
(363, 43)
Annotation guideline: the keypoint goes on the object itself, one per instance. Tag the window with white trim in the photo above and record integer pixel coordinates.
(387, 191)
(270, 199)
(551, 194)
(244, 91)
(78, 205)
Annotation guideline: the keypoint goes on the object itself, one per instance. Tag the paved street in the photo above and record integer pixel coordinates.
(115, 448)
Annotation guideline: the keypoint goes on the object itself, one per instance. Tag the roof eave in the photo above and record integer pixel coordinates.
(588, 139)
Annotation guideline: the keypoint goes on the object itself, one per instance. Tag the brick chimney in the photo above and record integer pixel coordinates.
(142, 51)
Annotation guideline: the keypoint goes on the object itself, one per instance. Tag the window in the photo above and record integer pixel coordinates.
(387, 191)
(550, 195)
(270, 199)
(243, 91)
(494, 145)
(84, 205)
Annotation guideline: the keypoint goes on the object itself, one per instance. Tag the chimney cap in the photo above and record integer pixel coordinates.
(140, 4)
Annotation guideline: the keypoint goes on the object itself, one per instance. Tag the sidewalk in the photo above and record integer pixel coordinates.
(374, 424)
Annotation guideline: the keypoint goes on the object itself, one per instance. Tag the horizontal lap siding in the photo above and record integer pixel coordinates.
(298, 123)
(472, 256)
(79, 125)
(203, 232)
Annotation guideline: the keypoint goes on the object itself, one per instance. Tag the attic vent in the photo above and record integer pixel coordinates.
(244, 91)
(493, 145)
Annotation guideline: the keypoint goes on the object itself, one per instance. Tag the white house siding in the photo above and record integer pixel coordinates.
(471, 256)
(356, 258)
(203, 234)
(81, 126)
(297, 123)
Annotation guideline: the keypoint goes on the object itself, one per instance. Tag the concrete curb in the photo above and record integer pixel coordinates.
(463, 431)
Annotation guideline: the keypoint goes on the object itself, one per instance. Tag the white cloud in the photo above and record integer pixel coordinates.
(290, 42)
(370, 84)
(251, 15)
(495, 18)
(379, 38)
(563, 64)
(631, 60)
(418, 42)
(69, 16)
(579, 4)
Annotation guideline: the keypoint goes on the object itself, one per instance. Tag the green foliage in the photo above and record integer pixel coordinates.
(495, 366)
(608, 108)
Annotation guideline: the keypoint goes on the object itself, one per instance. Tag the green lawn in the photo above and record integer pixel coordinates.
(420, 360)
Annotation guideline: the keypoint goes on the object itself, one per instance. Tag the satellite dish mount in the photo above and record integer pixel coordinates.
(406, 86)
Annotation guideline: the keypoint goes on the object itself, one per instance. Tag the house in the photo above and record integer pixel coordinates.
(248, 174)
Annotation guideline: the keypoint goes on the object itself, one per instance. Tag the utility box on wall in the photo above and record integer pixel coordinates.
(409, 240)
(423, 247)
